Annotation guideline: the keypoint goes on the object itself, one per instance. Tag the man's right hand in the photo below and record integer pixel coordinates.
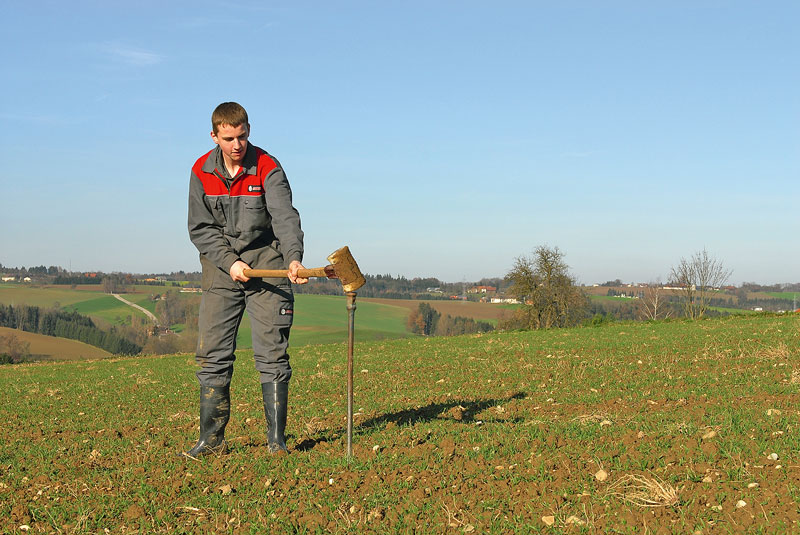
(237, 271)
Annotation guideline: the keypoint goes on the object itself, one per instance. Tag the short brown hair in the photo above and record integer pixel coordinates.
(230, 113)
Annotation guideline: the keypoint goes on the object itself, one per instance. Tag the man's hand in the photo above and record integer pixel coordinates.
(293, 267)
(237, 271)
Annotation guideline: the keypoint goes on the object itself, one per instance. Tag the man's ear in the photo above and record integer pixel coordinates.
(214, 137)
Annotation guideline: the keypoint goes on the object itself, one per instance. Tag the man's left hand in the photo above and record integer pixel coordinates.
(293, 267)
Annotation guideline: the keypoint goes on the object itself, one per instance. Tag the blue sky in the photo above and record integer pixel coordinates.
(438, 139)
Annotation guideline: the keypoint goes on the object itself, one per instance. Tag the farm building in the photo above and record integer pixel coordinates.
(481, 289)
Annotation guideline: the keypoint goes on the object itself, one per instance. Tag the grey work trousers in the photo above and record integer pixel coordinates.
(271, 311)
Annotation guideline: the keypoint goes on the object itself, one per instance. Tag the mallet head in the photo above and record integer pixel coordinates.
(346, 269)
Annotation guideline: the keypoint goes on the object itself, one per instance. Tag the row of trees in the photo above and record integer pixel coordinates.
(34, 270)
(428, 321)
(390, 287)
(551, 297)
(53, 271)
(68, 279)
(65, 324)
(172, 309)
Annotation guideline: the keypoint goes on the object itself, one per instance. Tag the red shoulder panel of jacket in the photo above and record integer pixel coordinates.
(212, 184)
(245, 185)
(265, 163)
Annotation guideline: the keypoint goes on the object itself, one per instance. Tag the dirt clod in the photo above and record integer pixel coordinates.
(133, 512)
(376, 515)
(574, 521)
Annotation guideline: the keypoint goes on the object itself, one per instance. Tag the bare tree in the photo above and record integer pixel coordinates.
(171, 309)
(698, 277)
(111, 284)
(14, 350)
(550, 295)
(653, 304)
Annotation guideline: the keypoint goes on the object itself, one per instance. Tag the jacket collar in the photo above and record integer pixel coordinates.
(249, 164)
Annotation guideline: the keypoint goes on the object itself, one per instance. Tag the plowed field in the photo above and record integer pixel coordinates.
(671, 427)
(466, 309)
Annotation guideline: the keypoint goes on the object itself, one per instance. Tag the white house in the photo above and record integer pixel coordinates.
(509, 300)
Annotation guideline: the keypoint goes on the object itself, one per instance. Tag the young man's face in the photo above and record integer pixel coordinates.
(232, 140)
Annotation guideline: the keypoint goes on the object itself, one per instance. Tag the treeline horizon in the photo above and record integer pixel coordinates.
(381, 285)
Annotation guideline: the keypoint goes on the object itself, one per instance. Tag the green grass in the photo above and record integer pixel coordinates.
(93, 303)
(611, 298)
(783, 295)
(107, 308)
(728, 310)
(18, 294)
(144, 300)
(493, 431)
(323, 319)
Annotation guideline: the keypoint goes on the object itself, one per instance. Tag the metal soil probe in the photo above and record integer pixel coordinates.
(351, 319)
(343, 267)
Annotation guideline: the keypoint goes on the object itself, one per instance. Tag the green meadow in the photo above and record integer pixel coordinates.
(93, 303)
(323, 319)
(318, 318)
(784, 295)
(19, 294)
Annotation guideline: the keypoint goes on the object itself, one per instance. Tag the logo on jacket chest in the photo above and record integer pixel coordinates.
(255, 188)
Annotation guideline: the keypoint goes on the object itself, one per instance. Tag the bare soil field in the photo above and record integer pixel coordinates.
(43, 347)
(466, 309)
(667, 427)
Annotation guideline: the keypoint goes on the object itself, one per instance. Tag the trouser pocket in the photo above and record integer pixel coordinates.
(271, 311)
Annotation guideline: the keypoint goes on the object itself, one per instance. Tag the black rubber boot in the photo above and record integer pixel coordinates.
(215, 411)
(276, 396)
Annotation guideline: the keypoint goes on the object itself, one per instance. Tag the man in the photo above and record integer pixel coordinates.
(240, 217)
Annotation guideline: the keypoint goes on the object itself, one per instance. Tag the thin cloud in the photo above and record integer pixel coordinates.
(133, 56)
(580, 154)
(200, 23)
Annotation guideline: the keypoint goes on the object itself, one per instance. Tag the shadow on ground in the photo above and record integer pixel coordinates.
(459, 410)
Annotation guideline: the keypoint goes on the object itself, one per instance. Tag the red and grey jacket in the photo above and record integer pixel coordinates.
(249, 217)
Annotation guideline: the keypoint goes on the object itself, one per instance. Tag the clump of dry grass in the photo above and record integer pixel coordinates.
(795, 377)
(779, 351)
(585, 419)
(644, 491)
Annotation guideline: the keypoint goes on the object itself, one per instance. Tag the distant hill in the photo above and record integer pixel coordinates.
(45, 347)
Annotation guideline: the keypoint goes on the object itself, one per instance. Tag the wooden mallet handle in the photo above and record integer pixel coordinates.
(281, 273)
